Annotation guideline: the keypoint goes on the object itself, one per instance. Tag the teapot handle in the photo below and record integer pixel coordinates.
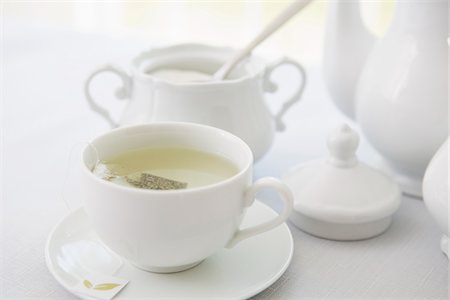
(122, 92)
(270, 86)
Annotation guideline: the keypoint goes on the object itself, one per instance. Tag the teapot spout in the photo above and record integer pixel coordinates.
(347, 45)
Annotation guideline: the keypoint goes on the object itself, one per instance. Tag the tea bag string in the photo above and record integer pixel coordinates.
(69, 167)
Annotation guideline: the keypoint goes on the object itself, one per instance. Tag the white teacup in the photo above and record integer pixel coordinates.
(173, 230)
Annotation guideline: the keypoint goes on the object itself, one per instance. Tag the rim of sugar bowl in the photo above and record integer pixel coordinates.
(251, 67)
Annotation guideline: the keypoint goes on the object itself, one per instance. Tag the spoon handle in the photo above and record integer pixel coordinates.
(282, 18)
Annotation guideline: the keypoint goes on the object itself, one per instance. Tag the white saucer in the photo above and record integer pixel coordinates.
(73, 251)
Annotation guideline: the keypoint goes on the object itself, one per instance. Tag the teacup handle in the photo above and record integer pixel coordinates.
(122, 92)
(270, 86)
(249, 199)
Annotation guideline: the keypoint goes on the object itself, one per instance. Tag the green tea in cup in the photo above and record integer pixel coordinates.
(161, 168)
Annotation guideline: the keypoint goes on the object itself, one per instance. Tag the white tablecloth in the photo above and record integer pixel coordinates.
(44, 115)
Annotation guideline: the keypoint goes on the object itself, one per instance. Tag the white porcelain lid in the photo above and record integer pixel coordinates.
(342, 189)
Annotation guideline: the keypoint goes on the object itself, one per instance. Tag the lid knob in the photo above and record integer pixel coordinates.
(342, 144)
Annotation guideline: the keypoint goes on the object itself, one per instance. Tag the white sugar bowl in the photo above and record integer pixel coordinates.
(341, 198)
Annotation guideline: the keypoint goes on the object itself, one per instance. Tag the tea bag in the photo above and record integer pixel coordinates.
(141, 180)
(153, 182)
(102, 171)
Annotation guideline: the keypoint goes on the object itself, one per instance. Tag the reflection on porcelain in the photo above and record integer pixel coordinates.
(173, 230)
(77, 256)
(396, 90)
(436, 185)
(236, 105)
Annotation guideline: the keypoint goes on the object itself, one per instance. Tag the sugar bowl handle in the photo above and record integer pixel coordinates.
(270, 86)
(249, 198)
(122, 92)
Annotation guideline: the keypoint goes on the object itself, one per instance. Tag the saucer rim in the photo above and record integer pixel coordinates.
(48, 262)
(246, 295)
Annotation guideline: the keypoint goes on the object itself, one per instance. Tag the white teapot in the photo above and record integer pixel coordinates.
(396, 87)
(236, 104)
(436, 185)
